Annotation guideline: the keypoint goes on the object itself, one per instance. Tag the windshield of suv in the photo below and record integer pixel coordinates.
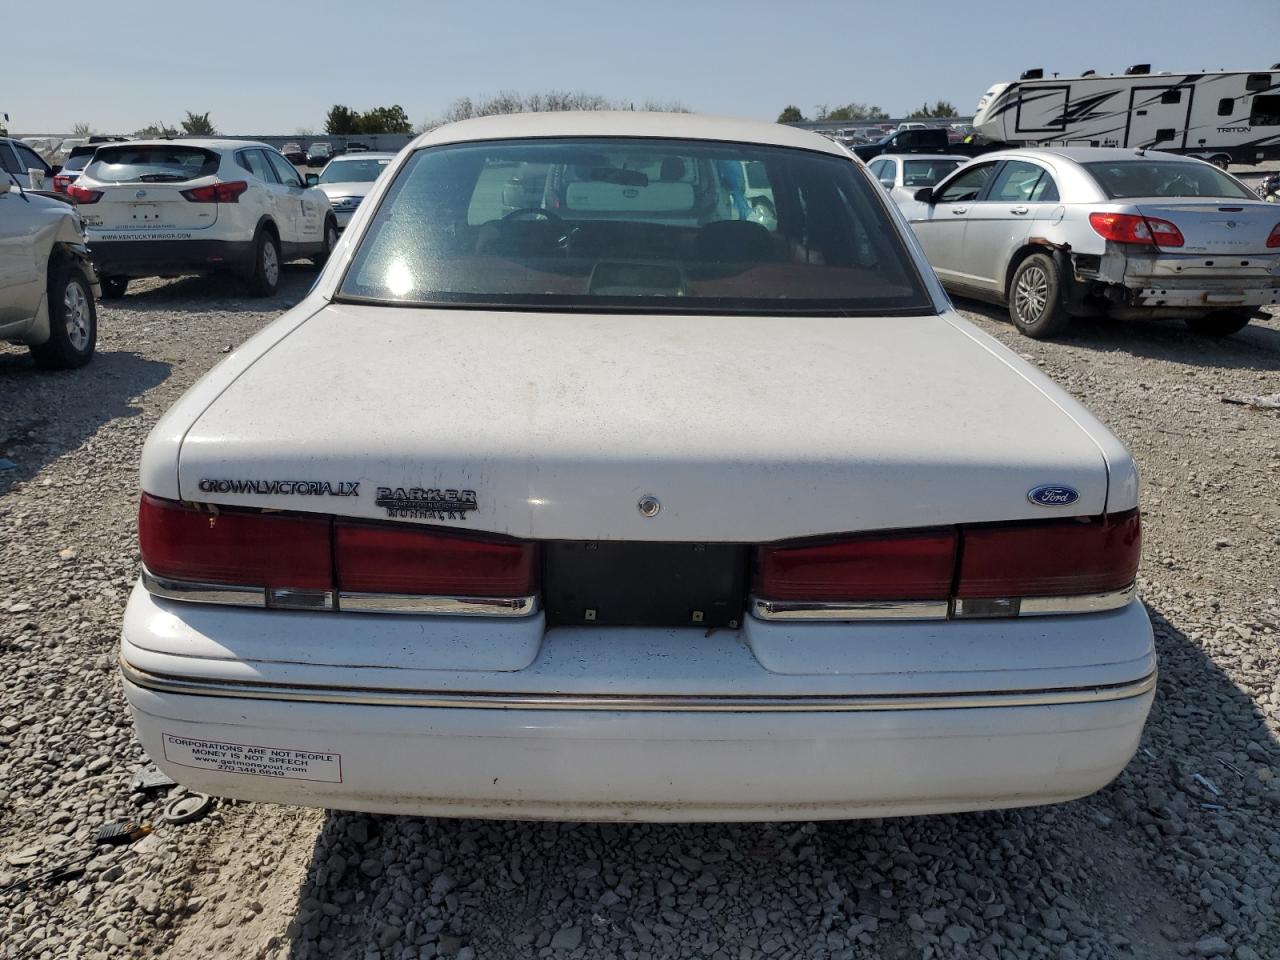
(156, 163)
(354, 171)
(614, 223)
(1121, 179)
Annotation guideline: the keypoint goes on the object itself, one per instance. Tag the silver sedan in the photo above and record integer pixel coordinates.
(347, 180)
(1056, 233)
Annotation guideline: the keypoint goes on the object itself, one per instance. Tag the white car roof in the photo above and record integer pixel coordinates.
(627, 123)
(958, 157)
(364, 155)
(1089, 154)
(192, 142)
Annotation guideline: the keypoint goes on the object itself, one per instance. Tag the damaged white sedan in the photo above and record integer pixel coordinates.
(573, 490)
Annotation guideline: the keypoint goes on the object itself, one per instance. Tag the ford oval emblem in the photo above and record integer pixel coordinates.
(1053, 495)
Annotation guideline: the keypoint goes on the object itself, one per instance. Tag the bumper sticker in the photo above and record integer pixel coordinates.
(253, 760)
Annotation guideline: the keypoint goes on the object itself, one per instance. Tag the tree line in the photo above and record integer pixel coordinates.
(861, 111)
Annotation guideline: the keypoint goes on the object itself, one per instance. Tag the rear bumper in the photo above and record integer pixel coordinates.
(658, 765)
(1221, 295)
(150, 258)
(655, 725)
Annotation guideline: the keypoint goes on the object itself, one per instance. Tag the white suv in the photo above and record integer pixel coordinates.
(174, 207)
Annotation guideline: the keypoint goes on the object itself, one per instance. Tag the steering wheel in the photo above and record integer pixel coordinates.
(533, 213)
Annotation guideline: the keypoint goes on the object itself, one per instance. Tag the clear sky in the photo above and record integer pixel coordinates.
(275, 67)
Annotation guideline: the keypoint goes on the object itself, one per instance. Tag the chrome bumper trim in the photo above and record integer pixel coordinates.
(849, 610)
(941, 609)
(715, 703)
(437, 606)
(324, 600)
(203, 592)
(1090, 603)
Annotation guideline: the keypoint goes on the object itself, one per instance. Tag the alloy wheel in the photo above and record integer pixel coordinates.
(1031, 294)
(75, 303)
(270, 263)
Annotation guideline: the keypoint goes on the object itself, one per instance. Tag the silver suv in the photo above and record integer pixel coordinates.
(47, 284)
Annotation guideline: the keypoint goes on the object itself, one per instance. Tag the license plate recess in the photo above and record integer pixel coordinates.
(644, 584)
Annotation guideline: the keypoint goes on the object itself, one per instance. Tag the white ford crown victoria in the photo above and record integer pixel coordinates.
(622, 504)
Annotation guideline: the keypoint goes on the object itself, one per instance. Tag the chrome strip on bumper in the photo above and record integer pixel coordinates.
(284, 598)
(849, 610)
(203, 592)
(941, 609)
(438, 606)
(718, 703)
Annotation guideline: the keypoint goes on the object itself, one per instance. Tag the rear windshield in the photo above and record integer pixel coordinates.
(353, 171)
(1122, 179)
(925, 173)
(77, 161)
(614, 223)
(164, 163)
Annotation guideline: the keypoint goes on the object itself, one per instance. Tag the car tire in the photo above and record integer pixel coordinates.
(330, 241)
(1220, 324)
(1036, 305)
(264, 281)
(73, 321)
(113, 288)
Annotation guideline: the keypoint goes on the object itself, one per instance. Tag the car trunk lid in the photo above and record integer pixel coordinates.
(1223, 227)
(556, 426)
(138, 208)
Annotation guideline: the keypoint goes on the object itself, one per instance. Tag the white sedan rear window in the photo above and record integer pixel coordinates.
(615, 223)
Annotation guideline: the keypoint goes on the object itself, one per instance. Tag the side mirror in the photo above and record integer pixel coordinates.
(887, 184)
(924, 195)
(313, 179)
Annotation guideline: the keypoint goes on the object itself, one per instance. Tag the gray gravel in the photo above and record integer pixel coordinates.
(1180, 857)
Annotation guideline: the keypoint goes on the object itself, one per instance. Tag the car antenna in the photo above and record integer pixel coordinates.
(1140, 151)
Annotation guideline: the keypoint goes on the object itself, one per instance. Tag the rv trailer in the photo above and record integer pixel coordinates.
(1222, 116)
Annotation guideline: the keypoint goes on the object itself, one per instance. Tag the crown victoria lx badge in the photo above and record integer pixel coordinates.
(1053, 495)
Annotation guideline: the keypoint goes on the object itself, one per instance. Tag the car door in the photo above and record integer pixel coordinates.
(1000, 220)
(884, 169)
(940, 225)
(255, 161)
(306, 209)
(9, 164)
(20, 274)
(29, 160)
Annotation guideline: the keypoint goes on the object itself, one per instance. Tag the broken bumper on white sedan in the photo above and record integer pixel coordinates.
(872, 719)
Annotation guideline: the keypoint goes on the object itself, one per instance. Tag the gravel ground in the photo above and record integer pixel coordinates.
(1180, 856)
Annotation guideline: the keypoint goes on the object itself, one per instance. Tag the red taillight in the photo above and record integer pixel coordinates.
(1274, 239)
(1052, 558)
(243, 549)
(82, 194)
(382, 559)
(913, 566)
(984, 563)
(60, 183)
(1131, 228)
(217, 192)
